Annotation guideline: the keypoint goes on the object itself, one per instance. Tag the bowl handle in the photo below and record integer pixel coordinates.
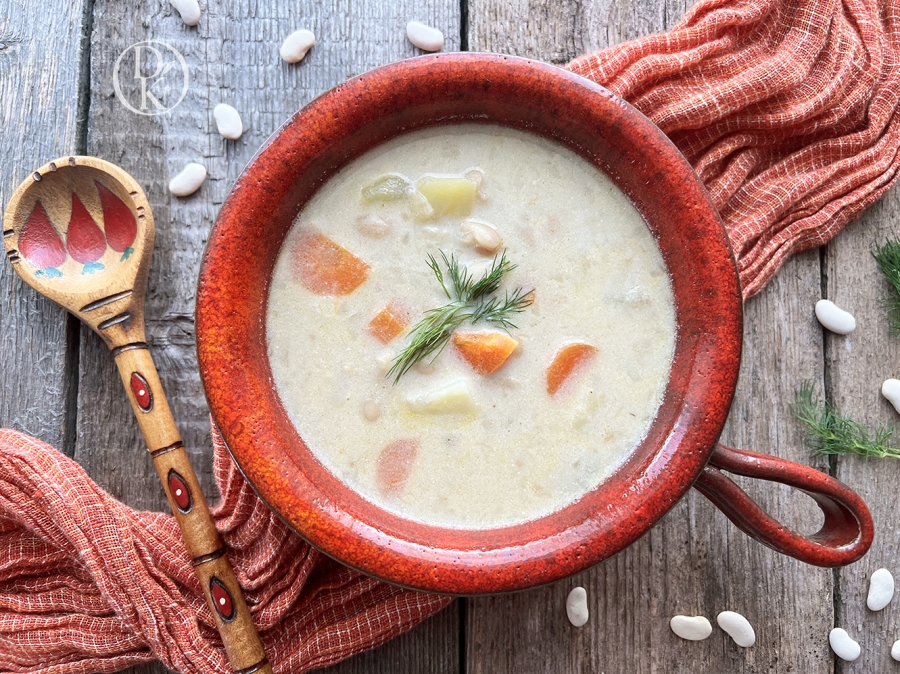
(844, 537)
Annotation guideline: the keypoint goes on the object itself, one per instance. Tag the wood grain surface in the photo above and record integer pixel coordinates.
(693, 562)
(40, 87)
(855, 367)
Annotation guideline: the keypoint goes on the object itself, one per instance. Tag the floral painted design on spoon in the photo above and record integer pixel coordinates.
(85, 239)
(118, 221)
(41, 244)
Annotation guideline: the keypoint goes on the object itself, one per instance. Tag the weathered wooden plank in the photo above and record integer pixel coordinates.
(557, 32)
(694, 561)
(232, 57)
(856, 366)
(429, 648)
(40, 58)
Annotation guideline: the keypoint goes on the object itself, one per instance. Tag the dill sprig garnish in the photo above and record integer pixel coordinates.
(469, 301)
(829, 432)
(887, 255)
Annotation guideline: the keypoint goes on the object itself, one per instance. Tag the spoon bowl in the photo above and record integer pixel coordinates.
(80, 231)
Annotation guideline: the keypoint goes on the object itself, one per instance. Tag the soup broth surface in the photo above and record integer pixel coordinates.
(447, 445)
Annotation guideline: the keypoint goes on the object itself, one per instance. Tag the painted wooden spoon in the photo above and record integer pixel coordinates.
(79, 230)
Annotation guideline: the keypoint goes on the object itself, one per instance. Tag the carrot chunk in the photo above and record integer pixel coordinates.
(324, 267)
(566, 361)
(394, 464)
(484, 351)
(388, 324)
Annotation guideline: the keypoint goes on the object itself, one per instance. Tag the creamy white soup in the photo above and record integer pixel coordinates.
(507, 422)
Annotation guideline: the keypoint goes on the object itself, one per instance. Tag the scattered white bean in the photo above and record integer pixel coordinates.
(424, 37)
(371, 410)
(737, 627)
(228, 121)
(895, 650)
(692, 628)
(834, 318)
(189, 10)
(295, 45)
(881, 590)
(189, 180)
(576, 606)
(481, 235)
(890, 389)
(842, 645)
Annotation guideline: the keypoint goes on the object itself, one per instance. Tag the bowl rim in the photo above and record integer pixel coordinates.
(443, 89)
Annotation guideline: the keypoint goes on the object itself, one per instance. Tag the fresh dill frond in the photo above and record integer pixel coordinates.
(887, 255)
(495, 311)
(436, 268)
(470, 301)
(490, 281)
(465, 288)
(429, 336)
(829, 432)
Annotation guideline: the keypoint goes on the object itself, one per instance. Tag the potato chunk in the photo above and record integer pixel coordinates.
(451, 398)
(448, 195)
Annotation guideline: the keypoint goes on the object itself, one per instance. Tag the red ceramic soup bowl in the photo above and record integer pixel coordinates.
(680, 449)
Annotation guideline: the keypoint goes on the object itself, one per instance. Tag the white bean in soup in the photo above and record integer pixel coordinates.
(507, 423)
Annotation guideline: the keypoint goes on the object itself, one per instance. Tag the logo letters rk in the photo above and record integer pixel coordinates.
(160, 79)
(161, 70)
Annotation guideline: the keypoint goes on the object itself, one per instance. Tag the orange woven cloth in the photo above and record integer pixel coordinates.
(787, 111)
(89, 585)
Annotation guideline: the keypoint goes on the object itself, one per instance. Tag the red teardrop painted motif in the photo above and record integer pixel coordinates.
(85, 240)
(39, 242)
(180, 493)
(222, 599)
(118, 220)
(141, 390)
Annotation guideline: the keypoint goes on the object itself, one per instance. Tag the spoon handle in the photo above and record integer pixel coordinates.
(207, 552)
